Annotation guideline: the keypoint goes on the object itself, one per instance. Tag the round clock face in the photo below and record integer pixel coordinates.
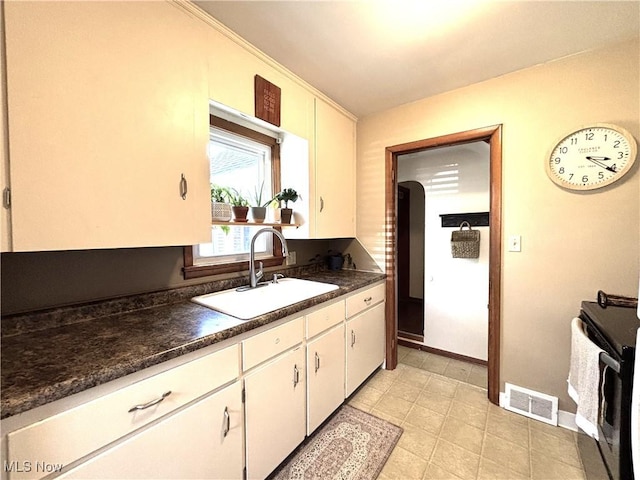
(592, 157)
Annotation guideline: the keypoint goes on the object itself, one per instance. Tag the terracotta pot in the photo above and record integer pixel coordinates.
(285, 215)
(240, 214)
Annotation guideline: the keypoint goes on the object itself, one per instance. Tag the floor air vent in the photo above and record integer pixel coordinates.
(531, 404)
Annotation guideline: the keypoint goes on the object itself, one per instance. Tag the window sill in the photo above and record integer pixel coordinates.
(254, 224)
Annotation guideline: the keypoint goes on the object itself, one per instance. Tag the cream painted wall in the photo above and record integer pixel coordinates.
(573, 244)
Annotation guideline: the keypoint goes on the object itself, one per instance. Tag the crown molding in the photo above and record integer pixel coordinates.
(203, 16)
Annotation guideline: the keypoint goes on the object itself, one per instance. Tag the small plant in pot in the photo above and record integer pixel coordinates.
(239, 206)
(220, 207)
(287, 195)
(259, 208)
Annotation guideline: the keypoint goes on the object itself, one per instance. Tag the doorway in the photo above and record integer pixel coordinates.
(493, 136)
(410, 241)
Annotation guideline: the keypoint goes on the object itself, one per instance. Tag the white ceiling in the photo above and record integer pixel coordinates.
(371, 55)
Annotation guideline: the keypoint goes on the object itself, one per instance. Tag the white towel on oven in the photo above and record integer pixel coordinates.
(584, 378)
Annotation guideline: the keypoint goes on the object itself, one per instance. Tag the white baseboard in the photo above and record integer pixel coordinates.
(565, 419)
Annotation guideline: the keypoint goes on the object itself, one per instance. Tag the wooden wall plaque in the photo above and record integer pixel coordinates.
(267, 100)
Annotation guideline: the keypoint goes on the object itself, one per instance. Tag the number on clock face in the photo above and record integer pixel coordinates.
(591, 158)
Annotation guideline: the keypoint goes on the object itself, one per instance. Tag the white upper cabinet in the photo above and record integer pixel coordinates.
(335, 189)
(107, 113)
(232, 71)
(5, 221)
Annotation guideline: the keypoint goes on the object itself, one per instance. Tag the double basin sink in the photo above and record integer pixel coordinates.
(246, 303)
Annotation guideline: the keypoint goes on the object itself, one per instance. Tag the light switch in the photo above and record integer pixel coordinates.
(514, 243)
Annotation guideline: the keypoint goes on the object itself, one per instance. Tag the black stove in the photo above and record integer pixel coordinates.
(614, 330)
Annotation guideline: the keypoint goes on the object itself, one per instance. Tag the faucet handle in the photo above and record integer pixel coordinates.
(259, 273)
(276, 276)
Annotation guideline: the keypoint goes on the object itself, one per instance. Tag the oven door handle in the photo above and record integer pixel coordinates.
(611, 362)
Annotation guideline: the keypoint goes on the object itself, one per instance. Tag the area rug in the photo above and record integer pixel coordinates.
(351, 445)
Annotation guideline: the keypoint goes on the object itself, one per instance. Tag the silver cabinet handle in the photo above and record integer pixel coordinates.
(317, 362)
(296, 376)
(368, 300)
(321, 203)
(183, 187)
(227, 422)
(151, 403)
(353, 338)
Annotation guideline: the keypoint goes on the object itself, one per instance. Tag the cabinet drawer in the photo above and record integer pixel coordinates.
(365, 299)
(65, 437)
(265, 345)
(325, 318)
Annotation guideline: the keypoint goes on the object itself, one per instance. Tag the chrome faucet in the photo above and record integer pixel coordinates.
(254, 276)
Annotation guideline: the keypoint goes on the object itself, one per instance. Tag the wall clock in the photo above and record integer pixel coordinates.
(591, 157)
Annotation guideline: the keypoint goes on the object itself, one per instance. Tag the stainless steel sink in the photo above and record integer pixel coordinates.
(265, 298)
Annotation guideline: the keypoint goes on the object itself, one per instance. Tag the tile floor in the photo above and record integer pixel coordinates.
(451, 430)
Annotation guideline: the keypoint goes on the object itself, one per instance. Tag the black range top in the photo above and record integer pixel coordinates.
(619, 324)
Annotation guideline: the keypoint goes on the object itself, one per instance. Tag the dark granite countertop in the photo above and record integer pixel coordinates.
(75, 348)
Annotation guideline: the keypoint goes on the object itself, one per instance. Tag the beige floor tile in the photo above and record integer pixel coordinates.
(434, 363)
(559, 446)
(415, 377)
(414, 358)
(406, 391)
(510, 455)
(360, 406)
(435, 472)
(490, 470)
(403, 352)
(506, 429)
(472, 414)
(382, 380)
(472, 395)
(417, 441)
(458, 370)
(434, 401)
(367, 395)
(394, 406)
(425, 419)
(545, 468)
(456, 460)
(478, 376)
(442, 386)
(462, 434)
(404, 465)
(386, 416)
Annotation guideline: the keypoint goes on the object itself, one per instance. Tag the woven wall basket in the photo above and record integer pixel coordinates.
(465, 243)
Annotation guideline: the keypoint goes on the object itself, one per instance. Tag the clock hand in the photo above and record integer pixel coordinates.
(598, 161)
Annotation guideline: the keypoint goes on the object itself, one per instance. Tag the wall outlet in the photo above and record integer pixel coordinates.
(514, 243)
(292, 258)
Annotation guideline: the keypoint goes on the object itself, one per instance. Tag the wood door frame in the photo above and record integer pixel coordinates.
(493, 136)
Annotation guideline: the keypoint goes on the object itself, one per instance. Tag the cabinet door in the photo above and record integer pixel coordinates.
(5, 224)
(325, 376)
(202, 441)
(365, 345)
(335, 177)
(108, 110)
(274, 412)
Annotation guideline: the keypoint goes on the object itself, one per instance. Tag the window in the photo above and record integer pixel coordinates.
(248, 162)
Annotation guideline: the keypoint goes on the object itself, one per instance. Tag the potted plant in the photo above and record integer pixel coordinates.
(220, 207)
(287, 195)
(259, 209)
(239, 206)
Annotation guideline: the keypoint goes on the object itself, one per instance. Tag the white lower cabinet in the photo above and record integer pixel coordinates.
(325, 376)
(189, 421)
(202, 441)
(274, 411)
(365, 345)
